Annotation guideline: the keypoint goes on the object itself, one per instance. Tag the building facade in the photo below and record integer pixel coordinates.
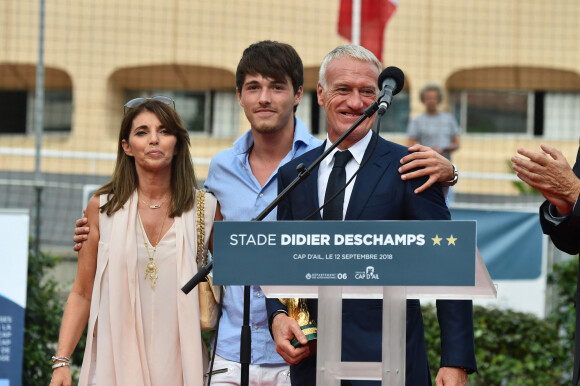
(510, 71)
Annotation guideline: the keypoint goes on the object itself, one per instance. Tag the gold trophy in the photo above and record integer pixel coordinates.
(298, 309)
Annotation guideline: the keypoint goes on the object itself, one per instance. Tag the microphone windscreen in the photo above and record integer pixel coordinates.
(396, 74)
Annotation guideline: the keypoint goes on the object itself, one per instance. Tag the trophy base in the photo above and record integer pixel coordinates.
(311, 332)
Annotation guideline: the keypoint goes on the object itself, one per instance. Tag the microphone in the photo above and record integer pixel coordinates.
(197, 278)
(391, 81)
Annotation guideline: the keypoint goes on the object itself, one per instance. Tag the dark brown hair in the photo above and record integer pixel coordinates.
(273, 60)
(125, 179)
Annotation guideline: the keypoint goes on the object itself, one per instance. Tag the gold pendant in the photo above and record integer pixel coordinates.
(154, 206)
(151, 271)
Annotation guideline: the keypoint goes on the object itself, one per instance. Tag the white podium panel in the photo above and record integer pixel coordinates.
(484, 289)
(329, 368)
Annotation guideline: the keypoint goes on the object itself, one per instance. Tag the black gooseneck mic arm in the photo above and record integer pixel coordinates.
(197, 278)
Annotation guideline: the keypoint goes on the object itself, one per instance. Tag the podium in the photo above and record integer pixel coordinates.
(292, 254)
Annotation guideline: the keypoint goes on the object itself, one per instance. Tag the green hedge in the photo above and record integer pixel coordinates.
(44, 308)
(514, 348)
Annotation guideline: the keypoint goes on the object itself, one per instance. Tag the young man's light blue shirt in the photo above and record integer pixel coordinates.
(241, 198)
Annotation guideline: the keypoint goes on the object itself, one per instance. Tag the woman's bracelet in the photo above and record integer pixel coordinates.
(60, 359)
(61, 364)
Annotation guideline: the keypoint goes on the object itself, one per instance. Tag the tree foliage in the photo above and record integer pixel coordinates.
(44, 307)
(514, 348)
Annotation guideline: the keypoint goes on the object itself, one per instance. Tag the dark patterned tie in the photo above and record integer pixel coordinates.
(336, 181)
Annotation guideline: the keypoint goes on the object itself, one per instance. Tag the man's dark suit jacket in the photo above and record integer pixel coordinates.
(380, 194)
(565, 234)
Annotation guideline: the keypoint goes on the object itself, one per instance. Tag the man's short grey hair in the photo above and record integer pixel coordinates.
(431, 87)
(347, 51)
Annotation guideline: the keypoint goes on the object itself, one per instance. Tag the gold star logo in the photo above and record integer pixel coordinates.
(436, 240)
(451, 240)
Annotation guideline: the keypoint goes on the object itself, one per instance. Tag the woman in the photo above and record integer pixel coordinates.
(140, 251)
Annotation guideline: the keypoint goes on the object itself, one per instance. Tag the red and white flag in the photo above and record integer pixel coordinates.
(374, 17)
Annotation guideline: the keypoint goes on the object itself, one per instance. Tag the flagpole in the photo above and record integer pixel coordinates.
(356, 13)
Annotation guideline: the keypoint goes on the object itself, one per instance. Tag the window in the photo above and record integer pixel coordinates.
(562, 115)
(190, 105)
(395, 120)
(57, 114)
(17, 111)
(494, 111)
(554, 115)
(13, 112)
(213, 113)
(308, 111)
(192, 108)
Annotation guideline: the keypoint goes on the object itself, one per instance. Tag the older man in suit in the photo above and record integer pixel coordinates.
(549, 172)
(347, 86)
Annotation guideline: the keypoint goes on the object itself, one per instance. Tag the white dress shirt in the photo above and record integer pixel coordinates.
(357, 150)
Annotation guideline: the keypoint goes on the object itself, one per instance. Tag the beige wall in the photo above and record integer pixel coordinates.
(197, 44)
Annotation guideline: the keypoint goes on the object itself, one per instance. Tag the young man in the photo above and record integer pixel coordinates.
(347, 86)
(244, 178)
(269, 82)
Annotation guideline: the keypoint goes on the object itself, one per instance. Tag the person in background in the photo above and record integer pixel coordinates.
(433, 128)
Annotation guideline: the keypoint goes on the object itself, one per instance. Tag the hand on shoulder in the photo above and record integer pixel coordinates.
(427, 162)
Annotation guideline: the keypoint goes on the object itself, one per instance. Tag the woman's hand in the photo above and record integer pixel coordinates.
(61, 377)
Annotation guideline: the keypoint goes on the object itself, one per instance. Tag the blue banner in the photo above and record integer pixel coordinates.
(11, 341)
(348, 253)
(510, 242)
(14, 260)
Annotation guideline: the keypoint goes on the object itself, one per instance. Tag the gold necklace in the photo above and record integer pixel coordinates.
(151, 269)
(154, 206)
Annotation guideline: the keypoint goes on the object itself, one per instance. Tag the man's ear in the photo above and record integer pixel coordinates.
(239, 95)
(298, 96)
(320, 94)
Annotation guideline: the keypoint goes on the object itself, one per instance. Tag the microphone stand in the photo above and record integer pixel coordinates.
(303, 173)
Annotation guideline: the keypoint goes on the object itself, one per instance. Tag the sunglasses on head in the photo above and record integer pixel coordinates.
(137, 101)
